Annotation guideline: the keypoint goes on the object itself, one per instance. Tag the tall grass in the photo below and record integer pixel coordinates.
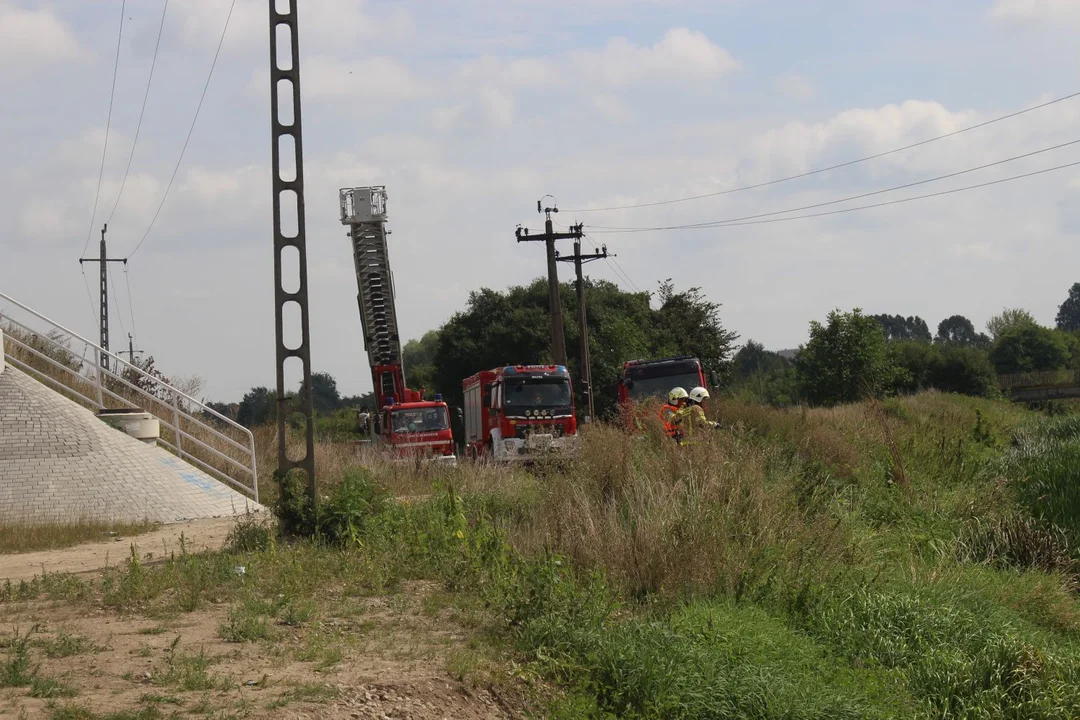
(776, 569)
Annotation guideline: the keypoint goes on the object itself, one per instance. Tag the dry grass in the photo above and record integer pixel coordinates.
(718, 516)
(17, 537)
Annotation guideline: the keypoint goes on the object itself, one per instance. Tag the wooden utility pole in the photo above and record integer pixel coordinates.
(558, 335)
(586, 363)
(103, 260)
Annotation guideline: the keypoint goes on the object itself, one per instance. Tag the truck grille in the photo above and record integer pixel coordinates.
(523, 431)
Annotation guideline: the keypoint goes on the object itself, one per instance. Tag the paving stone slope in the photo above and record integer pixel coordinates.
(59, 462)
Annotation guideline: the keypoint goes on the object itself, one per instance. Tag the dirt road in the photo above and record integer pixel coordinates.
(198, 535)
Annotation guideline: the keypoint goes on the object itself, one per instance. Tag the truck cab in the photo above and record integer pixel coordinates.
(419, 429)
(520, 413)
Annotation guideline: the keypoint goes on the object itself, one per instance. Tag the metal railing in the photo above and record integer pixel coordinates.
(195, 433)
(1050, 378)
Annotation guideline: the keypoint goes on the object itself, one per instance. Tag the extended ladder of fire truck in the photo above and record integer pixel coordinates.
(363, 210)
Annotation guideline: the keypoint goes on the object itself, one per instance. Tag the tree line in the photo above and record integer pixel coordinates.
(848, 357)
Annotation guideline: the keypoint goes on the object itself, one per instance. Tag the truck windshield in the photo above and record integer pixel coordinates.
(419, 420)
(660, 386)
(536, 393)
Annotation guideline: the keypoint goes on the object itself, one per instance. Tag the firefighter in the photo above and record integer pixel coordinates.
(693, 414)
(670, 412)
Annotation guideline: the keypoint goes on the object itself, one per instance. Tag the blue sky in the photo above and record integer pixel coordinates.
(469, 111)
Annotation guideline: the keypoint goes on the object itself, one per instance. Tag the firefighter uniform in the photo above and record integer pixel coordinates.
(690, 418)
(669, 416)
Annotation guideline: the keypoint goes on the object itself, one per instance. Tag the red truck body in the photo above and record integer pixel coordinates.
(519, 413)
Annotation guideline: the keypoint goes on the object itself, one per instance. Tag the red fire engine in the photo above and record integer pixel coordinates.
(520, 412)
(406, 425)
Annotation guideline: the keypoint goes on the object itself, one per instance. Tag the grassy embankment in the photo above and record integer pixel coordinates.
(913, 558)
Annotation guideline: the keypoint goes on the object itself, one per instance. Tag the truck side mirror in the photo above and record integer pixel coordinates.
(458, 414)
(378, 425)
(713, 380)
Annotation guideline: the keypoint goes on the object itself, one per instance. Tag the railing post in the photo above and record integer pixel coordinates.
(97, 376)
(176, 425)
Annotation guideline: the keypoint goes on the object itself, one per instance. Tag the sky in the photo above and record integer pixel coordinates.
(470, 111)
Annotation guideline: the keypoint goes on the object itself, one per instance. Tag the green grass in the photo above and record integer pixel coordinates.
(911, 559)
(17, 537)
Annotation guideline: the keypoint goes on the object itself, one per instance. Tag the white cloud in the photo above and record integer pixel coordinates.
(796, 87)
(1041, 11)
(612, 107)
(28, 36)
(799, 147)
(519, 72)
(447, 118)
(366, 81)
(499, 106)
(323, 24)
(681, 53)
(1069, 208)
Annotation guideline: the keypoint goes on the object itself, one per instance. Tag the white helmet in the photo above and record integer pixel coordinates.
(676, 395)
(698, 394)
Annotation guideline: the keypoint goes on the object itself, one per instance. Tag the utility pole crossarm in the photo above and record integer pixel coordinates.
(549, 236)
(103, 259)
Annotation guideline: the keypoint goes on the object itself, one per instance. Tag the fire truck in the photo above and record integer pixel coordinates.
(645, 379)
(520, 413)
(405, 425)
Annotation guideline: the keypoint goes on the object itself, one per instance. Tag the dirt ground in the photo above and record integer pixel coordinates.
(382, 657)
(198, 535)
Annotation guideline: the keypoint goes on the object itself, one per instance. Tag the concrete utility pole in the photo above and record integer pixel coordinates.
(290, 232)
(558, 336)
(103, 260)
(131, 350)
(586, 363)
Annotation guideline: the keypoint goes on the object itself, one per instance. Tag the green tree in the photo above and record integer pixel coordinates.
(915, 363)
(418, 357)
(958, 330)
(1029, 348)
(257, 407)
(964, 370)
(687, 323)
(762, 375)
(325, 397)
(1008, 318)
(1068, 314)
(898, 327)
(845, 360)
(510, 327)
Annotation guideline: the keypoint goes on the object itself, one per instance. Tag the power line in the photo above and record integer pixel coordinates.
(832, 167)
(116, 301)
(615, 267)
(89, 297)
(131, 303)
(866, 207)
(138, 127)
(108, 123)
(190, 130)
(713, 223)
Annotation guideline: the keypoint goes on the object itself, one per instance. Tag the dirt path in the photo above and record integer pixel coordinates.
(206, 534)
